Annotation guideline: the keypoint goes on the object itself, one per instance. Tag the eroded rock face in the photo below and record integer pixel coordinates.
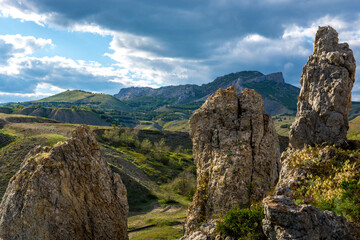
(65, 192)
(286, 220)
(236, 152)
(325, 97)
(323, 107)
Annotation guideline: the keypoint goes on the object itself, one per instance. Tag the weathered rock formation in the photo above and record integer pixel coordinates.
(236, 152)
(325, 97)
(65, 192)
(323, 107)
(286, 220)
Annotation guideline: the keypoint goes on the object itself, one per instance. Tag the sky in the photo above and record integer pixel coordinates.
(49, 46)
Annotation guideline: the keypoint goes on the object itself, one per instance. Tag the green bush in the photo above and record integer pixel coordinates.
(184, 184)
(349, 203)
(243, 223)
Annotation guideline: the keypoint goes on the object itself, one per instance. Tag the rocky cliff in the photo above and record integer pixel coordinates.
(325, 96)
(65, 192)
(320, 173)
(236, 152)
(278, 96)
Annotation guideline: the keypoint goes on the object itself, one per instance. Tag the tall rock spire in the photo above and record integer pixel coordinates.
(325, 97)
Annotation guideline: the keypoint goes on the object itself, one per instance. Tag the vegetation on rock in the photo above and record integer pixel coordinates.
(330, 179)
(243, 223)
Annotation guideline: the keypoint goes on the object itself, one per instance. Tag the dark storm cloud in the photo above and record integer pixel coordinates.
(189, 29)
(203, 39)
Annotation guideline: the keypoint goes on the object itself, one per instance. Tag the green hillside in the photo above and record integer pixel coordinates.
(153, 165)
(82, 99)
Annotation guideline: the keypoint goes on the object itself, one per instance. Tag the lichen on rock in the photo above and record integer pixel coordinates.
(65, 192)
(325, 97)
(236, 152)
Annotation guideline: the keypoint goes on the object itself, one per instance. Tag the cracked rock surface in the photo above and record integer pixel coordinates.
(65, 192)
(325, 97)
(286, 220)
(236, 152)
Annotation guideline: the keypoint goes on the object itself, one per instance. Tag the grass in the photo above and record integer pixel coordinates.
(167, 221)
(158, 233)
(53, 139)
(282, 124)
(179, 126)
(354, 129)
(83, 99)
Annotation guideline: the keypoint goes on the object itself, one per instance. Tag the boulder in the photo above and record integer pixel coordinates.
(65, 192)
(285, 220)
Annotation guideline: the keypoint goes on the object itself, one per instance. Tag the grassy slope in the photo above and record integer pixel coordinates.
(143, 176)
(81, 98)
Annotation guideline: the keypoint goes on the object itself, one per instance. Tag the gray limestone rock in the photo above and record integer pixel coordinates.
(284, 220)
(325, 97)
(65, 192)
(236, 152)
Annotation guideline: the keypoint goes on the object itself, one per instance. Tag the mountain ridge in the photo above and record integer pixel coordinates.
(275, 102)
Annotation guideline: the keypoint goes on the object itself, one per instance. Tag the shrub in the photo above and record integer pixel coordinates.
(146, 146)
(184, 184)
(161, 146)
(330, 181)
(243, 223)
(349, 203)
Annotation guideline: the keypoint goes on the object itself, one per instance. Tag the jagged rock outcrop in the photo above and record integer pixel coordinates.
(323, 107)
(286, 220)
(236, 152)
(325, 97)
(65, 192)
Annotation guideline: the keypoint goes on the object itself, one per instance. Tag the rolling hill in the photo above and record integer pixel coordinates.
(81, 99)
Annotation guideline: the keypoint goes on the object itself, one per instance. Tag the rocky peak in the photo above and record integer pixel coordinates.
(325, 97)
(236, 152)
(65, 192)
(272, 77)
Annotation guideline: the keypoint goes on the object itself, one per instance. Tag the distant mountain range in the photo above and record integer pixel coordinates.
(279, 97)
(165, 108)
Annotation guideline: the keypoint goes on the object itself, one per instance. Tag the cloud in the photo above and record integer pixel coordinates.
(156, 43)
(12, 46)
